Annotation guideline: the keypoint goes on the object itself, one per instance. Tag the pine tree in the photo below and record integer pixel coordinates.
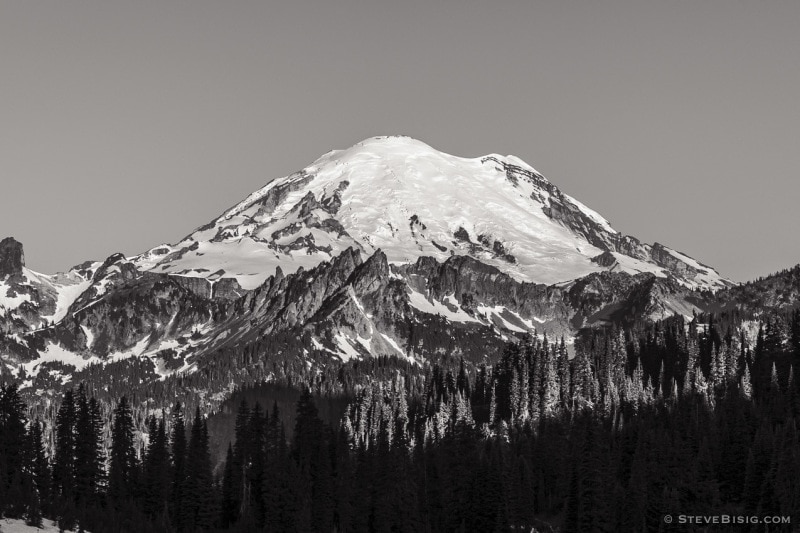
(745, 387)
(13, 441)
(241, 458)
(88, 450)
(562, 369)
(64, 460)
(310, 451)
(123, 464)
(156, 470)
(551, 392)
(255, 475)
(178, 441)
(39, 465)
(228, 507)
(198, 505)
(572, 514)
(758, 464)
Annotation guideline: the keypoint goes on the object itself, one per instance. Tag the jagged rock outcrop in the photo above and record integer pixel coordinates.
(472, 283)
(144, 310)
(227, 289)
(12, 257)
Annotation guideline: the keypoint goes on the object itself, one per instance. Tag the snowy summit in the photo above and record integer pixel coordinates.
(404, 197)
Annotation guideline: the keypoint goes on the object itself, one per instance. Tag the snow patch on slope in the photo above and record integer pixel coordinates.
(346, 350)
(504, 317)
(12, 525)
(55, 353)
(12, 302)
(67, 294)
(430, 306)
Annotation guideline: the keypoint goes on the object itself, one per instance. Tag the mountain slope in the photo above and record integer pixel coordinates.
(409, 200)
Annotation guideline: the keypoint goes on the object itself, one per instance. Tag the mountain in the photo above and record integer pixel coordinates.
(447, 320)
(403, 197)
(389, 248)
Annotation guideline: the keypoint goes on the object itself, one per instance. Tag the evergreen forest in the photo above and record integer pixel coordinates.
(611, 434)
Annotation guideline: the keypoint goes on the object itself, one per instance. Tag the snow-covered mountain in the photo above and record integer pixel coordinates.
(388, 248)
(409, 200)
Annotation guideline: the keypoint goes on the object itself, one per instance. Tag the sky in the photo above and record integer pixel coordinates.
(127, 124)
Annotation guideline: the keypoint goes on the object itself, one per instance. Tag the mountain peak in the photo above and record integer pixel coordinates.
(389, 141)
(12, 257)
(405, 197)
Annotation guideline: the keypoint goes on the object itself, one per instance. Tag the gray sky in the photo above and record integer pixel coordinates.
(128, 124)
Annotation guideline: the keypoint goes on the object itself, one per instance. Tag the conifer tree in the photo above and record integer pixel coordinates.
(241, 458)
(64, 461)
(40, 466)
(198, 505)
(156, 469)
(312, 456)
(123, 464)
(178, 441)
(228, 504)
(89, 465)
(562, 369)
(14, 483)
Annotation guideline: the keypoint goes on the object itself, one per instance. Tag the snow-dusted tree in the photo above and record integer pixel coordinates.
(745, 384)
(550, 386)
(564, 378)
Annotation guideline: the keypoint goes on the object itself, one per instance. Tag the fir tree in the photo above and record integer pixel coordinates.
(198, 506)
(228, 507)
(178, 441)
(89, 465)
(39, 465)
(14, 482)
(64, 460)
(123, 464)
(156, 470)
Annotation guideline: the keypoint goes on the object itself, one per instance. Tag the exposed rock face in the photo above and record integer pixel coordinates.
(661, 256)
(223, 289)
(616, 297)
(227, 289)
(148, 308)
(473, 283)
(199, 286)
(12, 258)
(606, 259)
